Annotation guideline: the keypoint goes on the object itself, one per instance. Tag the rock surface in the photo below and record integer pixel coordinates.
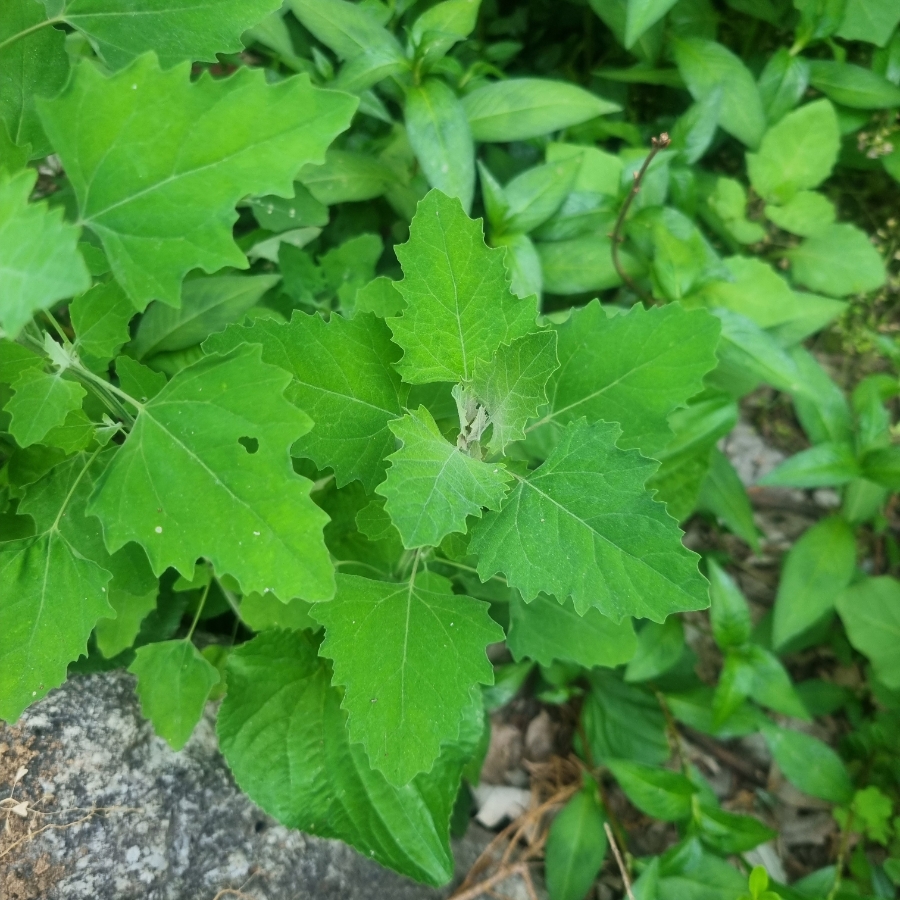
(154, 824)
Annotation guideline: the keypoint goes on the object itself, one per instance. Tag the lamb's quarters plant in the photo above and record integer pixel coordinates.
(346, 340)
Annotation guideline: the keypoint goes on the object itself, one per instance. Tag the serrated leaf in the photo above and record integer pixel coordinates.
(633, 369)
(74, 433)
(544, 630)
(432, 486)
(173, 684)
(343, 377)
(137, 380)
(41, 402)
(176, 30)
(408, 656)
(512, 386)
(39, 261)
(183, 486)
(164, 206)
(53, 587)
(459, 305)
(207, 306)
(100, 318)
(284, 735)
(113, 635)
(34, 64)
(583, 526)
(263, 611)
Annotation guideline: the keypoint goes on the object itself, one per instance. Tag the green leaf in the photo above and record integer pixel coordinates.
(100, 318)
(807, 213)
(512, 386)
(208, 304)
(583, 526)
(659, 647)
(349, 29)
(641, 15)
(522, 108)
(138, 381)
(432, 485)
(438, 132)
(176, 30)
(818, 567)
(39, 261)
(166, 206)
(633, 369)
(771, 685)
(346, 177)
(728, 610)
(657, 792)
(41, 402)
(870, 611)
(600, 172)
(723, 494)
(797, 153)
(838, 261)
(729, 833)
(545, 630)
(580, 264)
(883, 466)
(34, 64)
(173, 684)
(113, 636)
(576, 845)
(74, 433)
(622, 721)
(825, 465)
(380, 297)
(687, 872)
(343, 377)
(707, 66)
(263, 611)
(193, 489)
(853, 86)
(53, 587)
(408, 657)
(782, 83)
(537, 193)
(810, 765)
(459, 306)
(280, 214)
(444, 24)
(284, 735)
(869, 20)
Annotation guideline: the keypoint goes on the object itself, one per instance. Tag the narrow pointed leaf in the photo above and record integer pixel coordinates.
(459, 305)
(512, 386)
(583, 526)
(184, 486)
(39, 261)
(173, 684)
(343, 376)
(634, 369)
(284, 735)
(158, 162)
(408, 657)
(432, 486)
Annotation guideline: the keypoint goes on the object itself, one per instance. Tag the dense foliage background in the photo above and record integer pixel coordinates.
(229, 230)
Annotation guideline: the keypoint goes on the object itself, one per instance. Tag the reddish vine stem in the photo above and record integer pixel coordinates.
(656, 144)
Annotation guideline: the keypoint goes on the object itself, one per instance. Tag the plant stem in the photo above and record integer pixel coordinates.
(11, 40)
(657, 144)
(200, 606)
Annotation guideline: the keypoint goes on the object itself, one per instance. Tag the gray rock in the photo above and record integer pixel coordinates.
(164, 825)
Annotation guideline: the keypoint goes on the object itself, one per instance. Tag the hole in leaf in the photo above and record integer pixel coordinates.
(250, 444)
